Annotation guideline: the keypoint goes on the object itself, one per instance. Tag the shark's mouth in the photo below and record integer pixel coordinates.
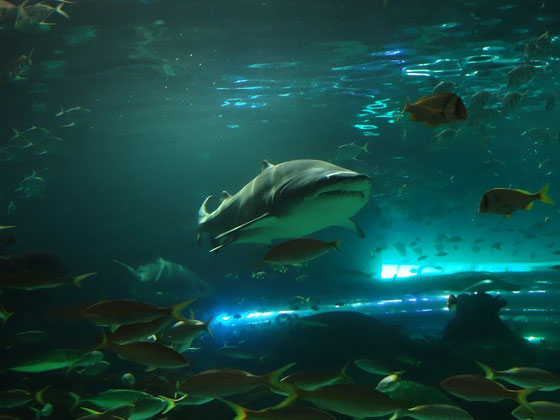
(345, 193)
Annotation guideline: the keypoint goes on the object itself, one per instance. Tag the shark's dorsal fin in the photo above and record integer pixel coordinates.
(266, 164)
(225, 195)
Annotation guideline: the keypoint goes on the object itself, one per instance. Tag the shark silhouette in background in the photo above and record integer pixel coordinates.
(162, 275)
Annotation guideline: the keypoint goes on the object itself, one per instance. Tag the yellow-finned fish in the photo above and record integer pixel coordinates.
(282, 411)
(352, 400)
(215, 383)
(434, 110)
(310, 380)
(505, 201)
(524, 377)
(148, 353)
(433, 412)
(479, 388)
(541, 410)
(114, 313)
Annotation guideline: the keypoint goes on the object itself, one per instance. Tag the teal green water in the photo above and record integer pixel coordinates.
(117, 121)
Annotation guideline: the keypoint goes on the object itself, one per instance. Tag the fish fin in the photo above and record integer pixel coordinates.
(406, 107)
(8, 315)
(398, 414)
(176, 310)
(274, 378)
(288, 401)
(365, 148)
(37, 412)
(241, 412)
(266, 164)
(104, 341)
(39, 395)
(216, 246)
(77, 400)
(336, 245)
(225, 195)
(490, 373)
(343, 374)
(242, 226)
(543, 194)
(521, 397)
(61, 12)
(171, 403)
(352, 225)
(91, 411)
(150, 369)
(78, 279)
(207, 326)
(203, 212)
(16, 134)
(529, 206)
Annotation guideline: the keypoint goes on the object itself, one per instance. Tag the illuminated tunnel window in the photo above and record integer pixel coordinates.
(393, 271)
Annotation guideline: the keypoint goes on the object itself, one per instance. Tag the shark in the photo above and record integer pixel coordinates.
(287, 200)
(167, 274)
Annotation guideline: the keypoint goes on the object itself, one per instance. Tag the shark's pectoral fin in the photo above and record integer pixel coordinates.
(352, 225)
(230, 235)
(216, 245)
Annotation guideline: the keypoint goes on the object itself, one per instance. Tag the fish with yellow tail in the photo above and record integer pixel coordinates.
(114, 313)
(479, 388)
(433, 412)
(542, 410)
(149, 353)
(438, 109)
(505, 201)
(297, 252)
(524, 377)
(205, 386)
(30, 280)
(352, 400)
(310, 380)
(279, 412)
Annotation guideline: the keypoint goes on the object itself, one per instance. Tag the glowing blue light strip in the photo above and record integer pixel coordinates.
(396, 270)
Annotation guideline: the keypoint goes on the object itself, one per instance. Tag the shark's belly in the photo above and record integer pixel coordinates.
(310, 216)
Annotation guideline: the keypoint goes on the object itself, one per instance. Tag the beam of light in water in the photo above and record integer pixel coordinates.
(397, 271)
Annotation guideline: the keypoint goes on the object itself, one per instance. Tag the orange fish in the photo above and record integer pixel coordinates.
(433, 110)
(505, 201)
(298, 251)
